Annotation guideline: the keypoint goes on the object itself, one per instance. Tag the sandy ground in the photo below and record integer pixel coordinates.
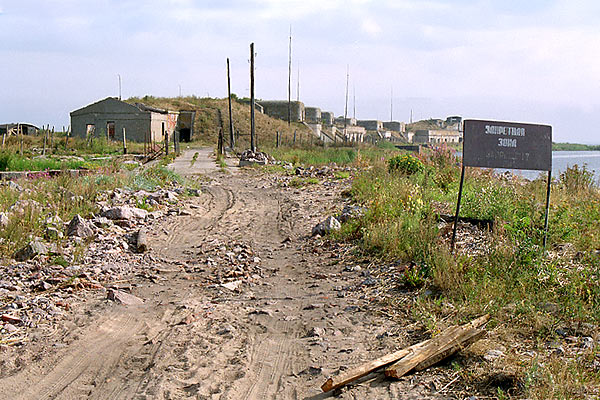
(278, 336)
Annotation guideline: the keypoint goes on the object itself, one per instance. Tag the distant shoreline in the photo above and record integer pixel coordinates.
(575, 147)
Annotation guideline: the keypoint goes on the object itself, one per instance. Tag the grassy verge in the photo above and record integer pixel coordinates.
(534, 295)
(341, 156)
(540, 299)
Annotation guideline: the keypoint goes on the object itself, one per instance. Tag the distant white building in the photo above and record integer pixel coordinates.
(437, 136)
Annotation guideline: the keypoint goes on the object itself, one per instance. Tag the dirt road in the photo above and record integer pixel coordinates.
(292, 322)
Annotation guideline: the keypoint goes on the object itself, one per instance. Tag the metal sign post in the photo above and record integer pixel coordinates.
(511, 145)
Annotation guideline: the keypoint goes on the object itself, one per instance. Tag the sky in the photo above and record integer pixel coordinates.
(530, 61)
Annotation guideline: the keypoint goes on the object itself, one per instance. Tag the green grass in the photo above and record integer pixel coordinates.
(514, 272)
(315, 156)
(14, 162)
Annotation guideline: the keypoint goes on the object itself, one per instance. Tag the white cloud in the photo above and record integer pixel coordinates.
(370, 27)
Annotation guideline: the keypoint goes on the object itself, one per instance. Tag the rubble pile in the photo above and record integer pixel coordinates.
(227, 263)
(48, 275)
(249, 157)
(322, 172)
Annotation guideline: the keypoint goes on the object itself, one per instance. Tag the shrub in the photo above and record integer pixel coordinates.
(406, 164)
(576, 179)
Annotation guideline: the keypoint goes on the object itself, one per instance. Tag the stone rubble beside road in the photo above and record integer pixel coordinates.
(48, 275)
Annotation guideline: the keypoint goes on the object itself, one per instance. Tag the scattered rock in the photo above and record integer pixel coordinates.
(3, 220)
(52, 233)
(102, 222)
(316, 332)
(54, 221)
(492, 355)
(33, 249)
(15, 186)
(21, 205)
(233, 286)
(79, 227)
(351, 212)
(122, 297)
(141, 241)
(326, 226)
(123, 212)
(587, 342)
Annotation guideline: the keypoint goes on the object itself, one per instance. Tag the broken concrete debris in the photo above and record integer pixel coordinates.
(41, 286)
(249, 157)
(124, 298)
(141, 241)
(351, 212)
(124, 212)
(79, 227)
(326, 226)
(33, 249)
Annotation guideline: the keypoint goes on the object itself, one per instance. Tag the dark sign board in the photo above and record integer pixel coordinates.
(512, 145)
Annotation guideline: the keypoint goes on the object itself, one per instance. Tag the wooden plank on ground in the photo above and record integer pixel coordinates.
(367, 368)
(443, 345)
(470, 337)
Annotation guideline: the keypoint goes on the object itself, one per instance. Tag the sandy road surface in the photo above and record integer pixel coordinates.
(277, 337)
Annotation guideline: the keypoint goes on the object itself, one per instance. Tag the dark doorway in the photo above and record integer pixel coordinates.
(110, 128)
(185, 134)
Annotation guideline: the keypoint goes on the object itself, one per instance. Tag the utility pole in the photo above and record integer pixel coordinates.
(231, 138)
(354, 101)
(411, 115)
(290, 80)
(252, 134)
(346, 107)
(179, 91)
(119, 75)
(298, 89)
(391, 104)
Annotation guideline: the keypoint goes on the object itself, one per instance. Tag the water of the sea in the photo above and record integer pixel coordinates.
(563, 159)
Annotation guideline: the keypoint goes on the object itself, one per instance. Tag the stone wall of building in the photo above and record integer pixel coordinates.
(436, 136)
(370, 124)
(279, 109)
(395, 126)
(313, 115)
(349, 121)
(327, 118)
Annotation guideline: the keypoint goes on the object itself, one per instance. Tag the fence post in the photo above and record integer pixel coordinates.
(124, 142)
(44, 148)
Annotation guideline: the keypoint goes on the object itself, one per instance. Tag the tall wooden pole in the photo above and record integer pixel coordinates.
(290, 80)
(353, 101)
(20, 133)
(252, 132)
(391, 104)
(298, 88)
(231, 136)
(346, 107)
(119, 75)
